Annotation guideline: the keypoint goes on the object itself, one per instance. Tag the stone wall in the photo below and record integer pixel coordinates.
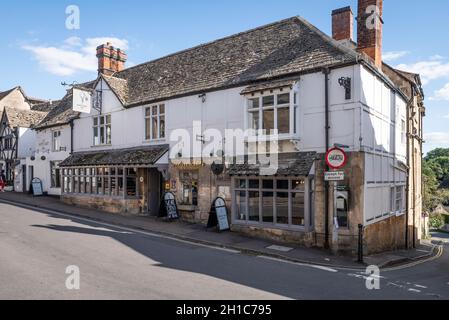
(386, 235)
(107, 204)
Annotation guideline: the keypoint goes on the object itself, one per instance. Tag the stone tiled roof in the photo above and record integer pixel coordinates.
(119, 87)
(290, 164)
(135, 156)
(5, 93)
(23, 118)
(287, 47)
(62, 111)
(46, 106)
(269, 85)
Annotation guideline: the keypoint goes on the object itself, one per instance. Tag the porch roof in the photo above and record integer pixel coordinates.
(289, 164)
(142, 156)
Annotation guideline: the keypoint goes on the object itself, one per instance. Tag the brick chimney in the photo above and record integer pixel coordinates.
(369, 29)
(110, 59)
(343, 24)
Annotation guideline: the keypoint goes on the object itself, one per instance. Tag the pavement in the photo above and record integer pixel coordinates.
(229, 240)
(45, 255)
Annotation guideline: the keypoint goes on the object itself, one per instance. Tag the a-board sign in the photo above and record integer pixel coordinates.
(36, 185)
(218, 215)
(170, 208)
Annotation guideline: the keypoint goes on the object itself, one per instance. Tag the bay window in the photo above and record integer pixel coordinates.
(271, 201)
(274, 111)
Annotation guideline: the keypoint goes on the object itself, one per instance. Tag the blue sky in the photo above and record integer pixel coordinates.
(38, 52)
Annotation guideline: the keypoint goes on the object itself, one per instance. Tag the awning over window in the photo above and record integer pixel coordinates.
(289, 164)
(142, 156)
(269, 85)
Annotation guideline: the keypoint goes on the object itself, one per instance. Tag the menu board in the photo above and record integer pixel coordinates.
(36, 185)
(218, 216)
(171, 209)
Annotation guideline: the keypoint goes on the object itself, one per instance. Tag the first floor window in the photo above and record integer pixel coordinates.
(155, 122)
(102, 130)
(280, 202)
(272, 112)
(56, 139)
(55, 174)
(399, 199)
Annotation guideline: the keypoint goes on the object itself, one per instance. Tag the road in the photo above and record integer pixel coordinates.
(114, 263)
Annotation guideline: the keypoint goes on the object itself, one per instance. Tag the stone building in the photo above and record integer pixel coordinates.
(295, 93)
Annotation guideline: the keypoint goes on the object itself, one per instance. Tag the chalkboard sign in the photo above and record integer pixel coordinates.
(218, 215)
(36, 184)
(169, 208)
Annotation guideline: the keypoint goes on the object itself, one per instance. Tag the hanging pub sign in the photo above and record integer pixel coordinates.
(218, 215)
(169, 207)
(36, 185)
(336, 158)
(82, 100)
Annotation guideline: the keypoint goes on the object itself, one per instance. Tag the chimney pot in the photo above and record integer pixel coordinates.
(110, 59)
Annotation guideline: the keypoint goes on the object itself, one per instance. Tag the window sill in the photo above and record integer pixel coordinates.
(265, 225)
(157, 141)
(280, 137)
(186, 207)
(101, 146)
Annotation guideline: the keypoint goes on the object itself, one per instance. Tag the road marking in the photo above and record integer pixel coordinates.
(323, 268)
(129, 230)
(414, 290)
(280, 248)
(420, 286)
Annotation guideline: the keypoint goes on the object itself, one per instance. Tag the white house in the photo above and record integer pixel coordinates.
(318, 92)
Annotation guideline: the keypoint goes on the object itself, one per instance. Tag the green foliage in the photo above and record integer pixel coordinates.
(436, 221)
(435, 171)
(446, 219)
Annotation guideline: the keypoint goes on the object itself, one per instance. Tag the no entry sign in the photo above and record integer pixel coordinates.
(336, 158)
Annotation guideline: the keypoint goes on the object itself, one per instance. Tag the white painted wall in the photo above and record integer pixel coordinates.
(27, 143)
(44, 148)
(382, 113)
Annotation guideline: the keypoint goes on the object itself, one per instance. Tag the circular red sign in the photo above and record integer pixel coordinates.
(336, 158)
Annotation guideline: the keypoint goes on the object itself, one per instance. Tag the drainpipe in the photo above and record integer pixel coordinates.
(326, 72)
(71, 137)
(407, 201)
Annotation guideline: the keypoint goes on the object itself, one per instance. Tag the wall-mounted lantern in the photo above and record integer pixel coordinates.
(345, 82)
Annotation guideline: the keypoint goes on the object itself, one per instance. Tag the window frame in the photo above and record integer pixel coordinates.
(161, 122)
(55, 139)
(308, 215)
(292, 106)
(54, 176)
(100, 127)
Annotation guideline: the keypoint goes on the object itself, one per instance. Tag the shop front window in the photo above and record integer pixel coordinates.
(189, 182)
(271, 201)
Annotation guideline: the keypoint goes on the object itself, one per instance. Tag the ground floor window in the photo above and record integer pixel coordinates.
(107, 181)
(273, 201)
(189, 185)
(55, 174)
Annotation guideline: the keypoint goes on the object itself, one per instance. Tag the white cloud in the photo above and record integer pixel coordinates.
(446, 117)
(438, 139)
(394, 55)
(442, 94)
(429, 70)
(74, 55)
